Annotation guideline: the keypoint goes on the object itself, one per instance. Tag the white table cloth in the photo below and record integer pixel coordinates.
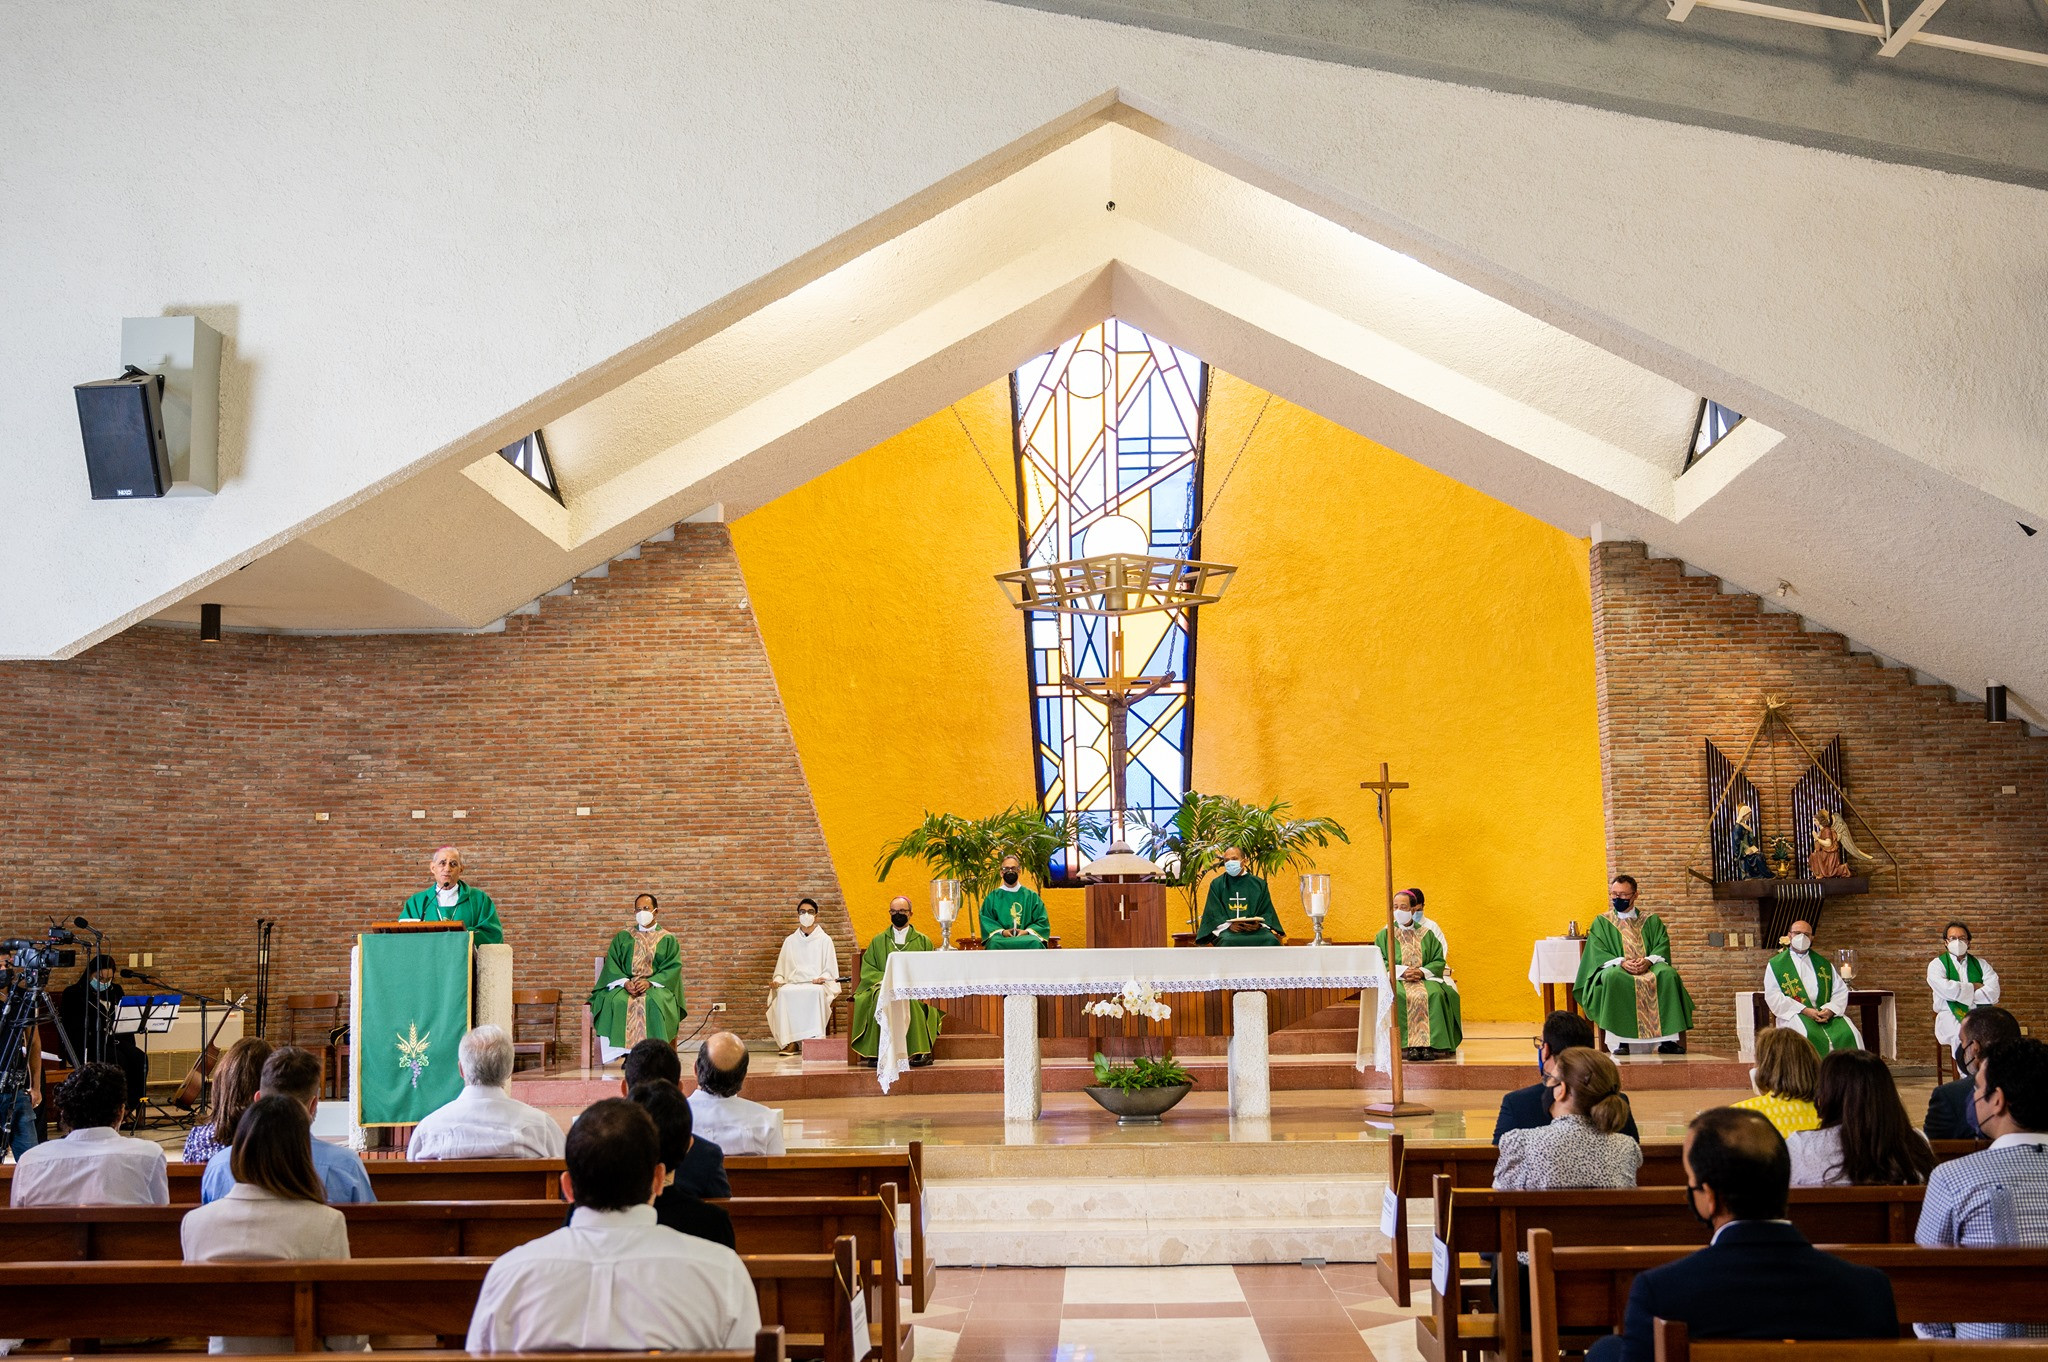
(1555, 960)
(1887, 1026)
(1018, 976)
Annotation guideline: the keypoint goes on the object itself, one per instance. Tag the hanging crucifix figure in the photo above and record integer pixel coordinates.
(1117, 693)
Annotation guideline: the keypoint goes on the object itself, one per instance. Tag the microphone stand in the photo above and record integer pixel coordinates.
(204, 1000)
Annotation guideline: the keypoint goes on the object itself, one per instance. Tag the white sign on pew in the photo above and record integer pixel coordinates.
(1440, 1266)
(1390, 1212)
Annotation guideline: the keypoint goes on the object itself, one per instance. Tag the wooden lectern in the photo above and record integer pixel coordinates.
(1127, 913)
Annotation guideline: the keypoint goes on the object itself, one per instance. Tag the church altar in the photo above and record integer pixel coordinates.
(1021, 977)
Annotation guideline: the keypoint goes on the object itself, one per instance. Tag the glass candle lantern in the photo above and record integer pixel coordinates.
(1845, 964)
(945, 907)
(1315, 901)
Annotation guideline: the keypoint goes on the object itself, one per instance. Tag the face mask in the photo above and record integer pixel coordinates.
(1958, 947)
(899, 919)
(1801, 942)
(1010, 877)
(1233, 867)
(805, 919)
(643, 919)
(1402, 917)
(102, 985)
(1622, 905)
(1692, 1205)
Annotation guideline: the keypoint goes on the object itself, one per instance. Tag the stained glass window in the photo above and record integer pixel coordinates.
(1109, 459)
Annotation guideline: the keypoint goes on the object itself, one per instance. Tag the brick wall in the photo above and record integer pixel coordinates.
(1678, 662)
(167, 790)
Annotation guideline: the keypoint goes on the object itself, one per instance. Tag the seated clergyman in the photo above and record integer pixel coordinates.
(1013, 917)
(639, 992)
(1807, 995)
(1239, 909)
(1426, 1007)
(805, 982)
(1626, 983)
(866, 1037)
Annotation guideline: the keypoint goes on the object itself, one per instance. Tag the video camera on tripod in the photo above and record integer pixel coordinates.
(24, 1002)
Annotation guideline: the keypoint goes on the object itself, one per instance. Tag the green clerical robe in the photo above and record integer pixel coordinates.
(1427, 1009)
(1239, 896)
(1834, 1034)
(1002, 909)
(473, 909)
(1633, 1006)
(624, 1020)
(924, 1018)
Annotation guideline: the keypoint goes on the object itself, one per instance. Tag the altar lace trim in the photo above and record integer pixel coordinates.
(1050, 988)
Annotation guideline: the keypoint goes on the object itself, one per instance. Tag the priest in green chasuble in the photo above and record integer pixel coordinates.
(1806, 995)
(1013, 917)
(1239, 909)
(452, 899)
(639, 993)
(1626, 984)
(1427, 1014)
(865, 1038)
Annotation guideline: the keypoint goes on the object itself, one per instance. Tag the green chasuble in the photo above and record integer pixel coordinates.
(473, 909)
(1634, 1007)
(1019, 907)
(1239, 896)
(1427, 1009)
(924, 1018)
(1834, 1034)
(625, 1020)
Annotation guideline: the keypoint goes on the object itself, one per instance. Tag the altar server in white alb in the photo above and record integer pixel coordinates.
(1808, 995)
(1959, 981)
(805, 982)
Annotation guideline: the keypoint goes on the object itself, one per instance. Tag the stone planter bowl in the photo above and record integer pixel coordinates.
(1138, 1106)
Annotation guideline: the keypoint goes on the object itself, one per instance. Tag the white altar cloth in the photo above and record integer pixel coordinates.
(1554, 960)
(921, 976)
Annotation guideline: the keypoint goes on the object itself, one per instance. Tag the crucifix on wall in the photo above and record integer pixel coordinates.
(1117, 693)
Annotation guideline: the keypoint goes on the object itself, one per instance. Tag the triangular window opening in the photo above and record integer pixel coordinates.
(1709, 428)
(529, 454)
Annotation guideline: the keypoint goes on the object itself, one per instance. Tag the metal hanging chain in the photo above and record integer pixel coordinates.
(1245, 444)
(1008, 505)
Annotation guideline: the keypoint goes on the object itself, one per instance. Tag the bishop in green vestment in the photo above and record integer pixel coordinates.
(924, 1018)
(639, 993)
(1427, 1015)
(1626, 984)
(1237, 893)
(1013, 917)
(450, 899)
(1806, 995)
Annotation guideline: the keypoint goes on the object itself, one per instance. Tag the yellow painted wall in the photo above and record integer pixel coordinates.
(1383, 612)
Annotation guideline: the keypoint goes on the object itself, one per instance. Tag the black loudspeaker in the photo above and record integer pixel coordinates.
(122, 421)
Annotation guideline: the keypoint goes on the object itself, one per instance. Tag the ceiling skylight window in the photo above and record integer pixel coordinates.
(529, 455)
(1709, 428)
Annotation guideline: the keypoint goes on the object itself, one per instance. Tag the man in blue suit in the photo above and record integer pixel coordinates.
(1757, 1277)
(1529, 1108)
(1951, 1115)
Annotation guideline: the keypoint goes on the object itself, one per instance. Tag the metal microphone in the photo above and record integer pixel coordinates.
(133, 974)
(81, 922)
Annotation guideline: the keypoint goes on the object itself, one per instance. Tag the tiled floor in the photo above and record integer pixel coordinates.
(1164, 1314)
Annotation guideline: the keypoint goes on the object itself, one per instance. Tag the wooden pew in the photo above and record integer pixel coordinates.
(1414, 1165)
(849, 1173)
(1475, 1221)
(1673, 1345)
(397, 1180)
(805, 1296)
(1579, 1293)
(767, 1348)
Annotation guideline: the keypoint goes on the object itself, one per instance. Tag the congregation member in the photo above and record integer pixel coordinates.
(1013, 917)
(1807, 994)
(1998, 1197)
(1951, 1114)
(639, 992)
(484, 1120)
(1784, 1076)
(805, 982)
(1865, 1138)
(1626, 982)
(1959, 979)
(95, 1164)
(703, 1170)
(1239, 909)
(236, 1077)
(276, 1210)
(1530, 1108)
(865, 1038)
(86, 1011)
(1583, 1144)
(1758, 1277)
(295, 1073)
(716, 1107)
(614, 1279)
(450, 898)
(1427, 1016)
(677, 1207)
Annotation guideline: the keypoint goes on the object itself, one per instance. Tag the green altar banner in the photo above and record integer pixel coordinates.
(412, 992)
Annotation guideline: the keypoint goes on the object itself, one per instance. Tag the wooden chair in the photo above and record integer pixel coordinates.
(309, 1022)
(548, 1047)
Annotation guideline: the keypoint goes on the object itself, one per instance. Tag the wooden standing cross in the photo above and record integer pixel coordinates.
(1384, 788)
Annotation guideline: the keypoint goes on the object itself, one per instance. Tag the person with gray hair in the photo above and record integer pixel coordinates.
(485, 1121)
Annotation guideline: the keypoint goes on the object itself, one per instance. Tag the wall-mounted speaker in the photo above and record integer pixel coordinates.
(122, 423)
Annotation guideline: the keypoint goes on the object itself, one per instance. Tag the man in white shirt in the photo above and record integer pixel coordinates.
(717, 1111)
(1959, 981)
(485, 1121)
(805, 982)
(95, 1165)
(614, 1280)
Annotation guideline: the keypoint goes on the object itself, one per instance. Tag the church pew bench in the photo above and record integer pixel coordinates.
(1674, 1345)
(1580, 1293)
(398, 1180)
(803, 1295)
(767, 1348)
(1482, 1221)
(849, 1173)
